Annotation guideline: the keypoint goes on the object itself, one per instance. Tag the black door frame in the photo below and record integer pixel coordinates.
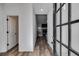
(54, 28)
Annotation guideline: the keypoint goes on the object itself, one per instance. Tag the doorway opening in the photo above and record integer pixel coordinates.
(41, 22)
(12, 32)
(41, 41)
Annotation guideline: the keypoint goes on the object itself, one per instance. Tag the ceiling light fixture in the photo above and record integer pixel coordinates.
(41, 9)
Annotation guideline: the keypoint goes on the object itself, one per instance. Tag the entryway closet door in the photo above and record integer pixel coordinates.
(12, 41)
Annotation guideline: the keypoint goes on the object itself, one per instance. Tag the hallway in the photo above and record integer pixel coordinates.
(58, 22)
(41, 49)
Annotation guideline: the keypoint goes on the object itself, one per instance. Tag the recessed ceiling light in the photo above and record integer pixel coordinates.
(41, 9)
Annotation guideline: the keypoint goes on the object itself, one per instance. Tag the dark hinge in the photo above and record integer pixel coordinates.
(7, 19)
(7, 44)
(7, 32)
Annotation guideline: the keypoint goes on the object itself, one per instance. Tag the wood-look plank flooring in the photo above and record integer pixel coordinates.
(41, 49)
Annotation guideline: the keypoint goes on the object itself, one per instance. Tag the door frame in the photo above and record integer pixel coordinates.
(46, 19)
(8, 32)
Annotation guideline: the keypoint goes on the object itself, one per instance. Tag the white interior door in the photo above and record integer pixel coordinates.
(12, 35)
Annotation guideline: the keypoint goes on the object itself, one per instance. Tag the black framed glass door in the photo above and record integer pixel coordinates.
(65, 29)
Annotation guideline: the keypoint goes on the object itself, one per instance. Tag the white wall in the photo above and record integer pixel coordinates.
(38, 6)
(25, 13)
(50, 26)
(3, 35)
(26, 28)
